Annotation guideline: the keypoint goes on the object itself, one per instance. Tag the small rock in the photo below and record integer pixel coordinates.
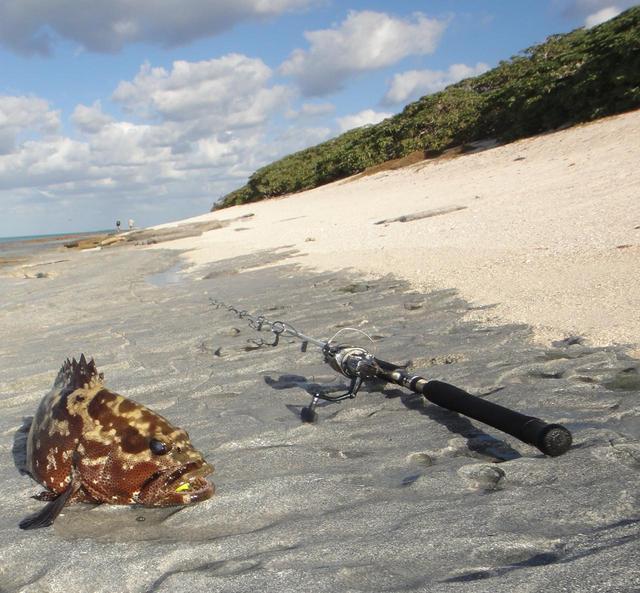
(414, 305)
(569, 341)
(421, 459)
(456, 447)
(206, 346)
(482, 476)
(252, 345)
(231, 332)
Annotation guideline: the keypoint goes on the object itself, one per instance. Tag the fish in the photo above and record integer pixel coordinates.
(89, 444)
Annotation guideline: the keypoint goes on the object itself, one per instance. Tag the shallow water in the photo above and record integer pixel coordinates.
(172, 275)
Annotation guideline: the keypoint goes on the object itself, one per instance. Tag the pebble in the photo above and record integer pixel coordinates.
(421, 459)
(482, 476)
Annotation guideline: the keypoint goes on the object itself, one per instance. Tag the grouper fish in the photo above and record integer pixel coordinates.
(88, 444)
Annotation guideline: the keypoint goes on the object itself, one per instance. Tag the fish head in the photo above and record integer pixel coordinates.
(145, 459)
(181, 474)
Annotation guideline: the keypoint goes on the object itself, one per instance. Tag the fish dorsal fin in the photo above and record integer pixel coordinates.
(77, 374)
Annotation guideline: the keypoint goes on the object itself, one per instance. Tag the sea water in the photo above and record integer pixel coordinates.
(52, 236)
(25, 245)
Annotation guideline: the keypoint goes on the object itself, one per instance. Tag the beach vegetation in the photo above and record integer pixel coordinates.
(567, 79)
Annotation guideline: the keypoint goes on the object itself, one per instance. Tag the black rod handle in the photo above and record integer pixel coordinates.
(551, 439)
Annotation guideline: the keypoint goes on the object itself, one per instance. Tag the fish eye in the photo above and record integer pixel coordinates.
(158, 447)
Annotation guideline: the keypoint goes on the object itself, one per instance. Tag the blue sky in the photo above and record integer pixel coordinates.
(154, 109)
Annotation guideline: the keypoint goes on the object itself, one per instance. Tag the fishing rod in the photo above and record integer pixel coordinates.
(360, 366)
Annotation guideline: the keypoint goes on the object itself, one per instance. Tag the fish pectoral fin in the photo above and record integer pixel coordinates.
(47, 515)
(45, 496)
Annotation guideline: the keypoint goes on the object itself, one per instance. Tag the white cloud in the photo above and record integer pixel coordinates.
(19, 115)
(202, 98)
(601, 16)
(200, 124)
(196, 131)
(410, 85)
(31, 26)
(43, 162)
(362, 118)
(90, 120)
(364, 41)
(594, 12)
(310, 110)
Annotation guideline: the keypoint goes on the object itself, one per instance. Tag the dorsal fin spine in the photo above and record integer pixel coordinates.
(76, 374)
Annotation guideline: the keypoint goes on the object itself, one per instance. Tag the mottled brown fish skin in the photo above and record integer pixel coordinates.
(126, 453)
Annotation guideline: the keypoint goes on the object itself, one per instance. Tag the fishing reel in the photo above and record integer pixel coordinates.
(359, 365)
(353, 362)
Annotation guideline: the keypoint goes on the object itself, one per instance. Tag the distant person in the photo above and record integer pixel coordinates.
(131, 222)
(117, 225)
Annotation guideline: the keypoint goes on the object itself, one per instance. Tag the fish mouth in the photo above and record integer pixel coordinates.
(189, 481)
(184, 485)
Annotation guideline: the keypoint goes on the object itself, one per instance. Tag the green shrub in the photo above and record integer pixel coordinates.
(571, 78)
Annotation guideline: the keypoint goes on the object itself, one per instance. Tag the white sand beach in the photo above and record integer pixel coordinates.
(546, 230)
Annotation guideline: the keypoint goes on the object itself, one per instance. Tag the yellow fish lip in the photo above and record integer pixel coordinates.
(195, 490)
(189, 483)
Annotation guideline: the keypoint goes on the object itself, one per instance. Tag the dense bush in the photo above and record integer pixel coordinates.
(571, 78)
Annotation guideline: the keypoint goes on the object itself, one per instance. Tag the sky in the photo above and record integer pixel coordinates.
(155, 109)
